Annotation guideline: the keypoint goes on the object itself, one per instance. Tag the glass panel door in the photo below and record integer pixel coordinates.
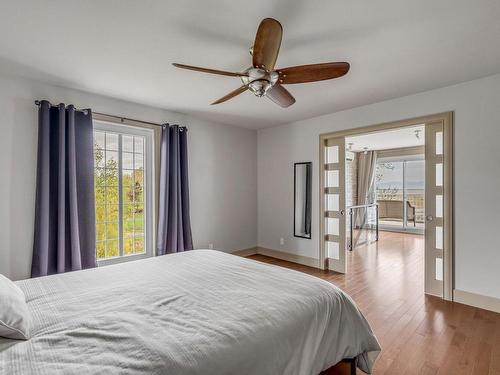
(390, 194)
(414, 184)
(333, 227)
(400, 187)
(434, 240)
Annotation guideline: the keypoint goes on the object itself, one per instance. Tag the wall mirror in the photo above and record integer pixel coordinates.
(302, 173)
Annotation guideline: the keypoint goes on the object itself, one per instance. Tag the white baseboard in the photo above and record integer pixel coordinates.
(300, 259)
(477, 300)
(245, 252)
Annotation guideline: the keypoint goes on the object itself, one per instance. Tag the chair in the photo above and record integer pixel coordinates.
(392, 209)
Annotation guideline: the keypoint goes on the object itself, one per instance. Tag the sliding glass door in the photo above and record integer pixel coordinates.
(400, 190)
(390, 193)
(414, 193)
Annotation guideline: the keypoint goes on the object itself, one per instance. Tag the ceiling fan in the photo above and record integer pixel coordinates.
(262, 79)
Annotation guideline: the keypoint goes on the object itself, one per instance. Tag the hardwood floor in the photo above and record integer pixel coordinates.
(419, 334)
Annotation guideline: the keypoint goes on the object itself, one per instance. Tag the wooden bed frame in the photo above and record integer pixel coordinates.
(344, 367)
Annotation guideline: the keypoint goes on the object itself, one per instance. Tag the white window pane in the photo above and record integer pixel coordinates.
(122, 210)
(99, 140)
(439, 174)
(332, 250)
(112, 141)
(332, 202)
(139, 145)
(439, 206)
(111, 159)
(138, 161)
(128, 160)
(439, 237)
(439, 269)
(332, 226)
(99, 153)
(128, 143)
(127, 176)
(439, 143)
(332, 154)
(332, 178)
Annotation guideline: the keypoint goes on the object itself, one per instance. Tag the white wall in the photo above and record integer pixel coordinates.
(224, 165)
(477, 174)
(222, 170)
(223, 185)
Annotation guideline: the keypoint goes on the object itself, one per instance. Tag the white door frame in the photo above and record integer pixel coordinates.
(446, 119)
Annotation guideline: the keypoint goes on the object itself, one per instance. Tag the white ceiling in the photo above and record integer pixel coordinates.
(384, 140)
(125, 49)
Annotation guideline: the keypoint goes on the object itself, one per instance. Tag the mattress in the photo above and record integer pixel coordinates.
(197, 312)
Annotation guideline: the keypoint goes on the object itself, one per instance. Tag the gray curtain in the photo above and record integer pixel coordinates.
(64, 238)
(174, 223)
(365, 183)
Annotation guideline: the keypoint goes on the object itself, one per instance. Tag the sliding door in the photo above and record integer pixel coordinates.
(414, 195)
(400, 186)
(333, 226)
(435, 214)
(438, 198)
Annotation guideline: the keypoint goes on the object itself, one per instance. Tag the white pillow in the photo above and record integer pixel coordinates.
(15, 319)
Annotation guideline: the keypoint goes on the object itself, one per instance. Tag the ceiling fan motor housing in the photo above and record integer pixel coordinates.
(259, 81)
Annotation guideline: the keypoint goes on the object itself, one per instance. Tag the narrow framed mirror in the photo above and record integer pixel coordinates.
(302, 176)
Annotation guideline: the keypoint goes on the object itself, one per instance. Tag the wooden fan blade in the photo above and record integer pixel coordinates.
(211, 71)
(280, 96)
(232, 94)
(267, 44)
(313, 72)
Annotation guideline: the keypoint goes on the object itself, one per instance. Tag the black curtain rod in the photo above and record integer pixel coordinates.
(39, 102)
(120, 118)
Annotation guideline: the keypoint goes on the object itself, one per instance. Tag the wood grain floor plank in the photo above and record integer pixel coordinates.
(419, 334)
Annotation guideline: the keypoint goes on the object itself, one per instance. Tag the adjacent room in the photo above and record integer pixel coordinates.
(269, 188)
(385, 194)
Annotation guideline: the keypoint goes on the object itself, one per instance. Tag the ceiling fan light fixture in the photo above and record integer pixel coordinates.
(263, 79)
(259, 81)
(259, 87)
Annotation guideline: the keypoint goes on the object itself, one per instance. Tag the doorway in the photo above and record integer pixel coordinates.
(400, 192)
(403, 188)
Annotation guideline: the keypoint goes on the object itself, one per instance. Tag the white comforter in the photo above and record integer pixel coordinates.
(198, 312)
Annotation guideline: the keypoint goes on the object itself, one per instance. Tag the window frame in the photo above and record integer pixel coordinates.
(149, 188)
(403, 158)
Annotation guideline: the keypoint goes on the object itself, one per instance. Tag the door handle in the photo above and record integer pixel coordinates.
(429, 217)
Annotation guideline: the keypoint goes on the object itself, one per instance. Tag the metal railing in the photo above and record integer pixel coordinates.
(360, 220)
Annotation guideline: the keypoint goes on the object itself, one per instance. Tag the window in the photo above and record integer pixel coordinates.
(123, 192)
(389, 185)
(400, 192)
(415, 189)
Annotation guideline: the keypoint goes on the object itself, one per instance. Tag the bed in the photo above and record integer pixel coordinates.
(198, 312)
